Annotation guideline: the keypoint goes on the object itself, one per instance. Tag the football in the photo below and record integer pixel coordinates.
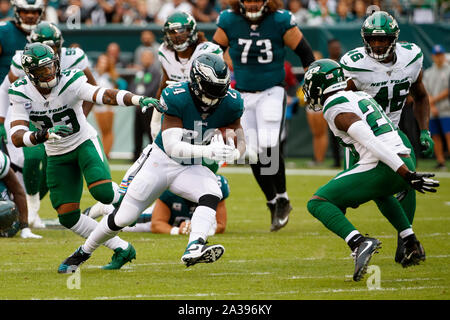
(228, 133)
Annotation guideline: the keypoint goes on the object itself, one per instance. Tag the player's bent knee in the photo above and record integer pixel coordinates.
(209, 200)
(127, 214)
(313, 206)
(69, 219)
(103, 192)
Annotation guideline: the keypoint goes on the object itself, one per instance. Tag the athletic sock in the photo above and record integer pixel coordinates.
(354, 239)
(202, 220)
(139, 227)
(101, 234)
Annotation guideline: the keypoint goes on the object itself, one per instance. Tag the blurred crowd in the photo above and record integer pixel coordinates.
(307, 12)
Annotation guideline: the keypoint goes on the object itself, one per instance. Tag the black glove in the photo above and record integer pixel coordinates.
(421, 181)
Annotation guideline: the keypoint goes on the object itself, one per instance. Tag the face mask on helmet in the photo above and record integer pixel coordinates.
(313, 96)
(207, 87)
(45, 76)
(28, 13)
(178, 38)
(253, 9)
(379, 47)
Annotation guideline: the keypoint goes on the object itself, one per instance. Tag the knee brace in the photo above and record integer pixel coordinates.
(69, 219)
(209, 200)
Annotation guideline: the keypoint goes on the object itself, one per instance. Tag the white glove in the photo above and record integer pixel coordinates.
(217, 150)
(53, 136)
(187, 227)
(27, 234)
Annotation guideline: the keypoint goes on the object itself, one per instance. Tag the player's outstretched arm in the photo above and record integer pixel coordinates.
(160, 219)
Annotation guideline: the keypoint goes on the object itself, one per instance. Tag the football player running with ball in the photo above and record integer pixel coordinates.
(51, 100)
(195, 110)
(257, 33)
(389, 71)
(384, 167)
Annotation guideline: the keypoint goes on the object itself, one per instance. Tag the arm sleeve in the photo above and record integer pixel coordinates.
(362, 133)
(176, 148)
(155, 124)
(86, 91)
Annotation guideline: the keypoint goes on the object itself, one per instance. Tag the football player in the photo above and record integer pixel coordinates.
(27, 161)
(13, 36)
(257, 33)
(170, 214)
(174, 160)
(384, 167)
(182, 44)
(389, 72)
(51, 100)
(14, 211)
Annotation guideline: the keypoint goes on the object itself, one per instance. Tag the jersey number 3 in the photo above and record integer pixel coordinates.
(265, 51)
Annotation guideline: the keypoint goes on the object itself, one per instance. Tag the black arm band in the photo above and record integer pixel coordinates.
(305, 53)
(40, 136)
(224, 48)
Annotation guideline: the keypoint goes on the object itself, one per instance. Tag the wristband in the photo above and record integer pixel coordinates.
(99, 97)
(174, 231)
(27, 139)
(135, 100)
(119, 97)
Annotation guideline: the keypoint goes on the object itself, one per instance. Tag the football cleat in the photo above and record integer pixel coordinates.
(74, 261)
(362, 255)
(198, 252)
(95, 211)
(271, 207)
(413, 253)
(120, 257)
(400, 252)
(282, 209)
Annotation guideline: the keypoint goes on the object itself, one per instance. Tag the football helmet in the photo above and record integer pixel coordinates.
(49, 34)
(27, 5)
(180, 31)
(41, 65)
(380, 25)
(256, 12)
(323, 76)
(210, 79)
(9, 218)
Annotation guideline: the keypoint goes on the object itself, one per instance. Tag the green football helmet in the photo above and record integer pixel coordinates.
(27, 5)
(210, 79)
(49, 34)
(323, 76)
(180, 31)
(9, 218)
(41, 65)
(380, 24)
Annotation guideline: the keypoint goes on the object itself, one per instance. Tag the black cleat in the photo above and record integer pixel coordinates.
(413, 253)
(362, 255)
(400, 252)
(281, 217)
(74, 261)
(198, 251)
(271, 207)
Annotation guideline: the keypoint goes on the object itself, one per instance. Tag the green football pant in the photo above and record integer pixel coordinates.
(356, 186)
(408, 196)
(65, 172)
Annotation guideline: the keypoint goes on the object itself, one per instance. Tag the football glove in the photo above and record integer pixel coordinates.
(427, 143)
(26, 233)
(421, 181)
(58, 132)
(217, 150)
(147, 102)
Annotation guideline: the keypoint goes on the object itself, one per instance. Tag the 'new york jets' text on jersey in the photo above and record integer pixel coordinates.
(71, 58)
(62, 107)
(199, 128)
(257, 50)
(388, 84)
(178, 69)
(364, 106)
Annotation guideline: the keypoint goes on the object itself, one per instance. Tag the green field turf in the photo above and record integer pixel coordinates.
(301, 261)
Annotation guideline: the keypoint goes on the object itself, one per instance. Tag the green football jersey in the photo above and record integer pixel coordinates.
(11, 39)
(199, 127)
(257, 50)
(182, 209)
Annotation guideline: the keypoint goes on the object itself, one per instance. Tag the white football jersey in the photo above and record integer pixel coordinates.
(71, 58)
(363, 105)
(388, 84)
(62, 107)
(178, 69)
